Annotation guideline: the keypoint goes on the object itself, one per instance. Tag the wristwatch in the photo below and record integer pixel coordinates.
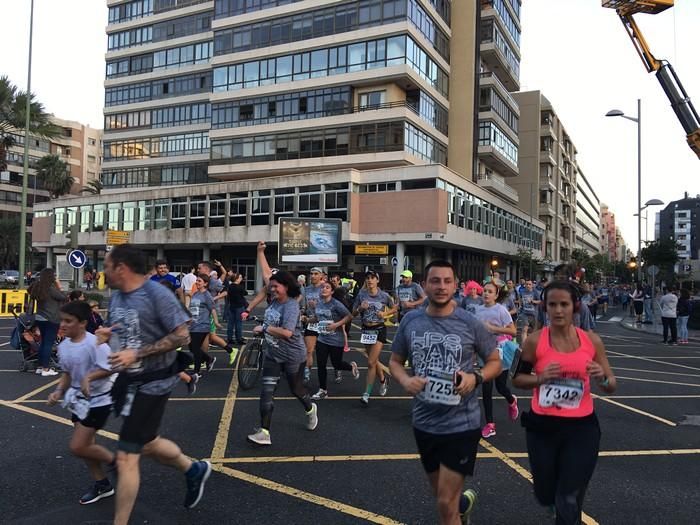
(477, 375)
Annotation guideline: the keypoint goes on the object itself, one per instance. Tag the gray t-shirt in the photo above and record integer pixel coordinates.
(201, 306)
(145, 316)
(376, 303)
(312, 296)
(285, 315)
(409, 293)
(470, 303)
(330, 312)
(82, 358)
(497, 315)
(527, 307)
(437, 347)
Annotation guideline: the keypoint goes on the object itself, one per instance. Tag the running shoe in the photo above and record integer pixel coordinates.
(488, 430)
(260, 437)
(355, 371)
(233, 353)
(307, 374)
(98, 491)
(192, 385)
(467, 502)
(321, 394)
(48, 372)
(338, 377)
(196, 477)
(312, 417)
(513, 410)
(210, 364)
(365, 399)
(39, 371)
(384, 386)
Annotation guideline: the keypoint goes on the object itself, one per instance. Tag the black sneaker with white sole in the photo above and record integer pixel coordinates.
(196, 477)
(97, 492)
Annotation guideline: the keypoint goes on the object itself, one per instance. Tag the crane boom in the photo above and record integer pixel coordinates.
(665, 74)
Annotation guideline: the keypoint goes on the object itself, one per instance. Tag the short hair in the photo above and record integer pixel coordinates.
(207, 264)
(130, 256)
(287, 280)
(75, 295)
(79, 309)
(170, 286)
(161, 262)
(440, 263)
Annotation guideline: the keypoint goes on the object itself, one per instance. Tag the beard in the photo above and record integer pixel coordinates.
(440, 304)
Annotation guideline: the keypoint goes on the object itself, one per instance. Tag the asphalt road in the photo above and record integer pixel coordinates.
(360, 465)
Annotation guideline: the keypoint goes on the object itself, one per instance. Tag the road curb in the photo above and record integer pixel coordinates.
(633, 329)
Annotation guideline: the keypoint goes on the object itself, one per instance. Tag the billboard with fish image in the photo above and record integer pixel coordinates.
(310, 241)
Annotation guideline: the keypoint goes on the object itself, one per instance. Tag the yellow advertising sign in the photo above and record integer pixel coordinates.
(12, 300)
(371, 249)
(115, 237)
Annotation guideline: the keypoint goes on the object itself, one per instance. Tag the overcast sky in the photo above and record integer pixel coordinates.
(574, 51)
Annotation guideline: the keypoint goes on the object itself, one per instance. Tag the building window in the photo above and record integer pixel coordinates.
(178, 213)
(260, 208)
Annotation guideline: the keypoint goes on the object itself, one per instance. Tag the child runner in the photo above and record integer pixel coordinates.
(498, 321)
(371, 304)
(85, 387)
(332, 316)
(563, 435)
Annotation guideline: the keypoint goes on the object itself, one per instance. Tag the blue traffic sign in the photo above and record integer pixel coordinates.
(77, 259)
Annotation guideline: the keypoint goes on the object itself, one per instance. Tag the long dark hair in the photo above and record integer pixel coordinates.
(39, 289)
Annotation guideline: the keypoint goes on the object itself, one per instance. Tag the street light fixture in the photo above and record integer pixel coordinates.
(638, 121)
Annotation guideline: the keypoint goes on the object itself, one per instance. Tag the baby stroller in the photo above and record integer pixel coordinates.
(27, 338)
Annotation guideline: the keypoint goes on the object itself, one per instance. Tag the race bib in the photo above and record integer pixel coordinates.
(562, 393)
(440, 389)
(271, 340)
(369, 337)
(312, 327)
(323, 327)
(194, 310)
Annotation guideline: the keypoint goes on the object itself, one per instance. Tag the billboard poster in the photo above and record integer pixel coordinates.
(310, 241)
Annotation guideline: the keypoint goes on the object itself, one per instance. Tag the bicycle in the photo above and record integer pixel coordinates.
(251, 359)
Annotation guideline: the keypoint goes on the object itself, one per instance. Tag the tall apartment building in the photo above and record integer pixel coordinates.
(587, 216)
(223, 116)
(79, 146)
(548, 174)
(680, 221)
(608, 232)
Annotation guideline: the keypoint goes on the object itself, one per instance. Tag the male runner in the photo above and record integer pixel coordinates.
(162, 273)
(311, 295)
(147, 325)
(440, 342)
(409, 295)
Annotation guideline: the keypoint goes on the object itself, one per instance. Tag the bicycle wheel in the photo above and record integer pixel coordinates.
(249, 364)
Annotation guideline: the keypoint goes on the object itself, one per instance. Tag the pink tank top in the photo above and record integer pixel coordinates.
(570, 394)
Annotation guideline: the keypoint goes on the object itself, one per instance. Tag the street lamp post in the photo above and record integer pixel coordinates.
(638, 121)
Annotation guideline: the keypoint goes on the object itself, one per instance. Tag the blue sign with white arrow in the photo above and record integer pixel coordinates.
(77, 259)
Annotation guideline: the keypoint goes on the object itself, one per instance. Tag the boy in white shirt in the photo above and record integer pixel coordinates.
(85, 389)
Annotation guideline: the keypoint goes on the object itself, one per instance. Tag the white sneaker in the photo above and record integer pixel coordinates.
(355, 371)
(365, 399)
(39, 371)
(48, 372)
(261, 437)
(321, 394)
(312, 417)
(384, 386)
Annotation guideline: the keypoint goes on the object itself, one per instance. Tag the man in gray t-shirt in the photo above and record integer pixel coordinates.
(409, 295)
(440, 343)
(147, 324)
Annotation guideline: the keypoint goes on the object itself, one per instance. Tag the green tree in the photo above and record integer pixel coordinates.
(529, 263)
(54, 175)
(664, 254)
(94, 187)
(13, 117)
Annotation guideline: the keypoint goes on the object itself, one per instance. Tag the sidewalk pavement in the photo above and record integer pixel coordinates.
(628, 321)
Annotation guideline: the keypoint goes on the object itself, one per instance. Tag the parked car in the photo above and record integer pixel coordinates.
(9, 276)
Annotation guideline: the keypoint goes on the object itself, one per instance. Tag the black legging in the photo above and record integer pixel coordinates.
(271, 375)
(487, 393)
(336, 354)
(563, 454)
(197, 350)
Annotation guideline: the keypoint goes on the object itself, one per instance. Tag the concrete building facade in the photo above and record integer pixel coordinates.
(223, 116)
(608, 233)
(680, 221)
(587, 216)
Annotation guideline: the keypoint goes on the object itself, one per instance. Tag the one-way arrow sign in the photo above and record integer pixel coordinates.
(77, 258)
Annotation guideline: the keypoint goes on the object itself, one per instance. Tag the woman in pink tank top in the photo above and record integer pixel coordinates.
(559, 363)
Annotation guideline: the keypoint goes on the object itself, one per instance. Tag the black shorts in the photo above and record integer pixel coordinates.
(142, 424)
(310, 333)
(96, 418)
(456, 451)
(381, 332)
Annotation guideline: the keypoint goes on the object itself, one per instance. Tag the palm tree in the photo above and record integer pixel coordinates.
(13, 117)
(93, 187)
(54, 175)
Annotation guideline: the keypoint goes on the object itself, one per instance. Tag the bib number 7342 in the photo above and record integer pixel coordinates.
(562, 393)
